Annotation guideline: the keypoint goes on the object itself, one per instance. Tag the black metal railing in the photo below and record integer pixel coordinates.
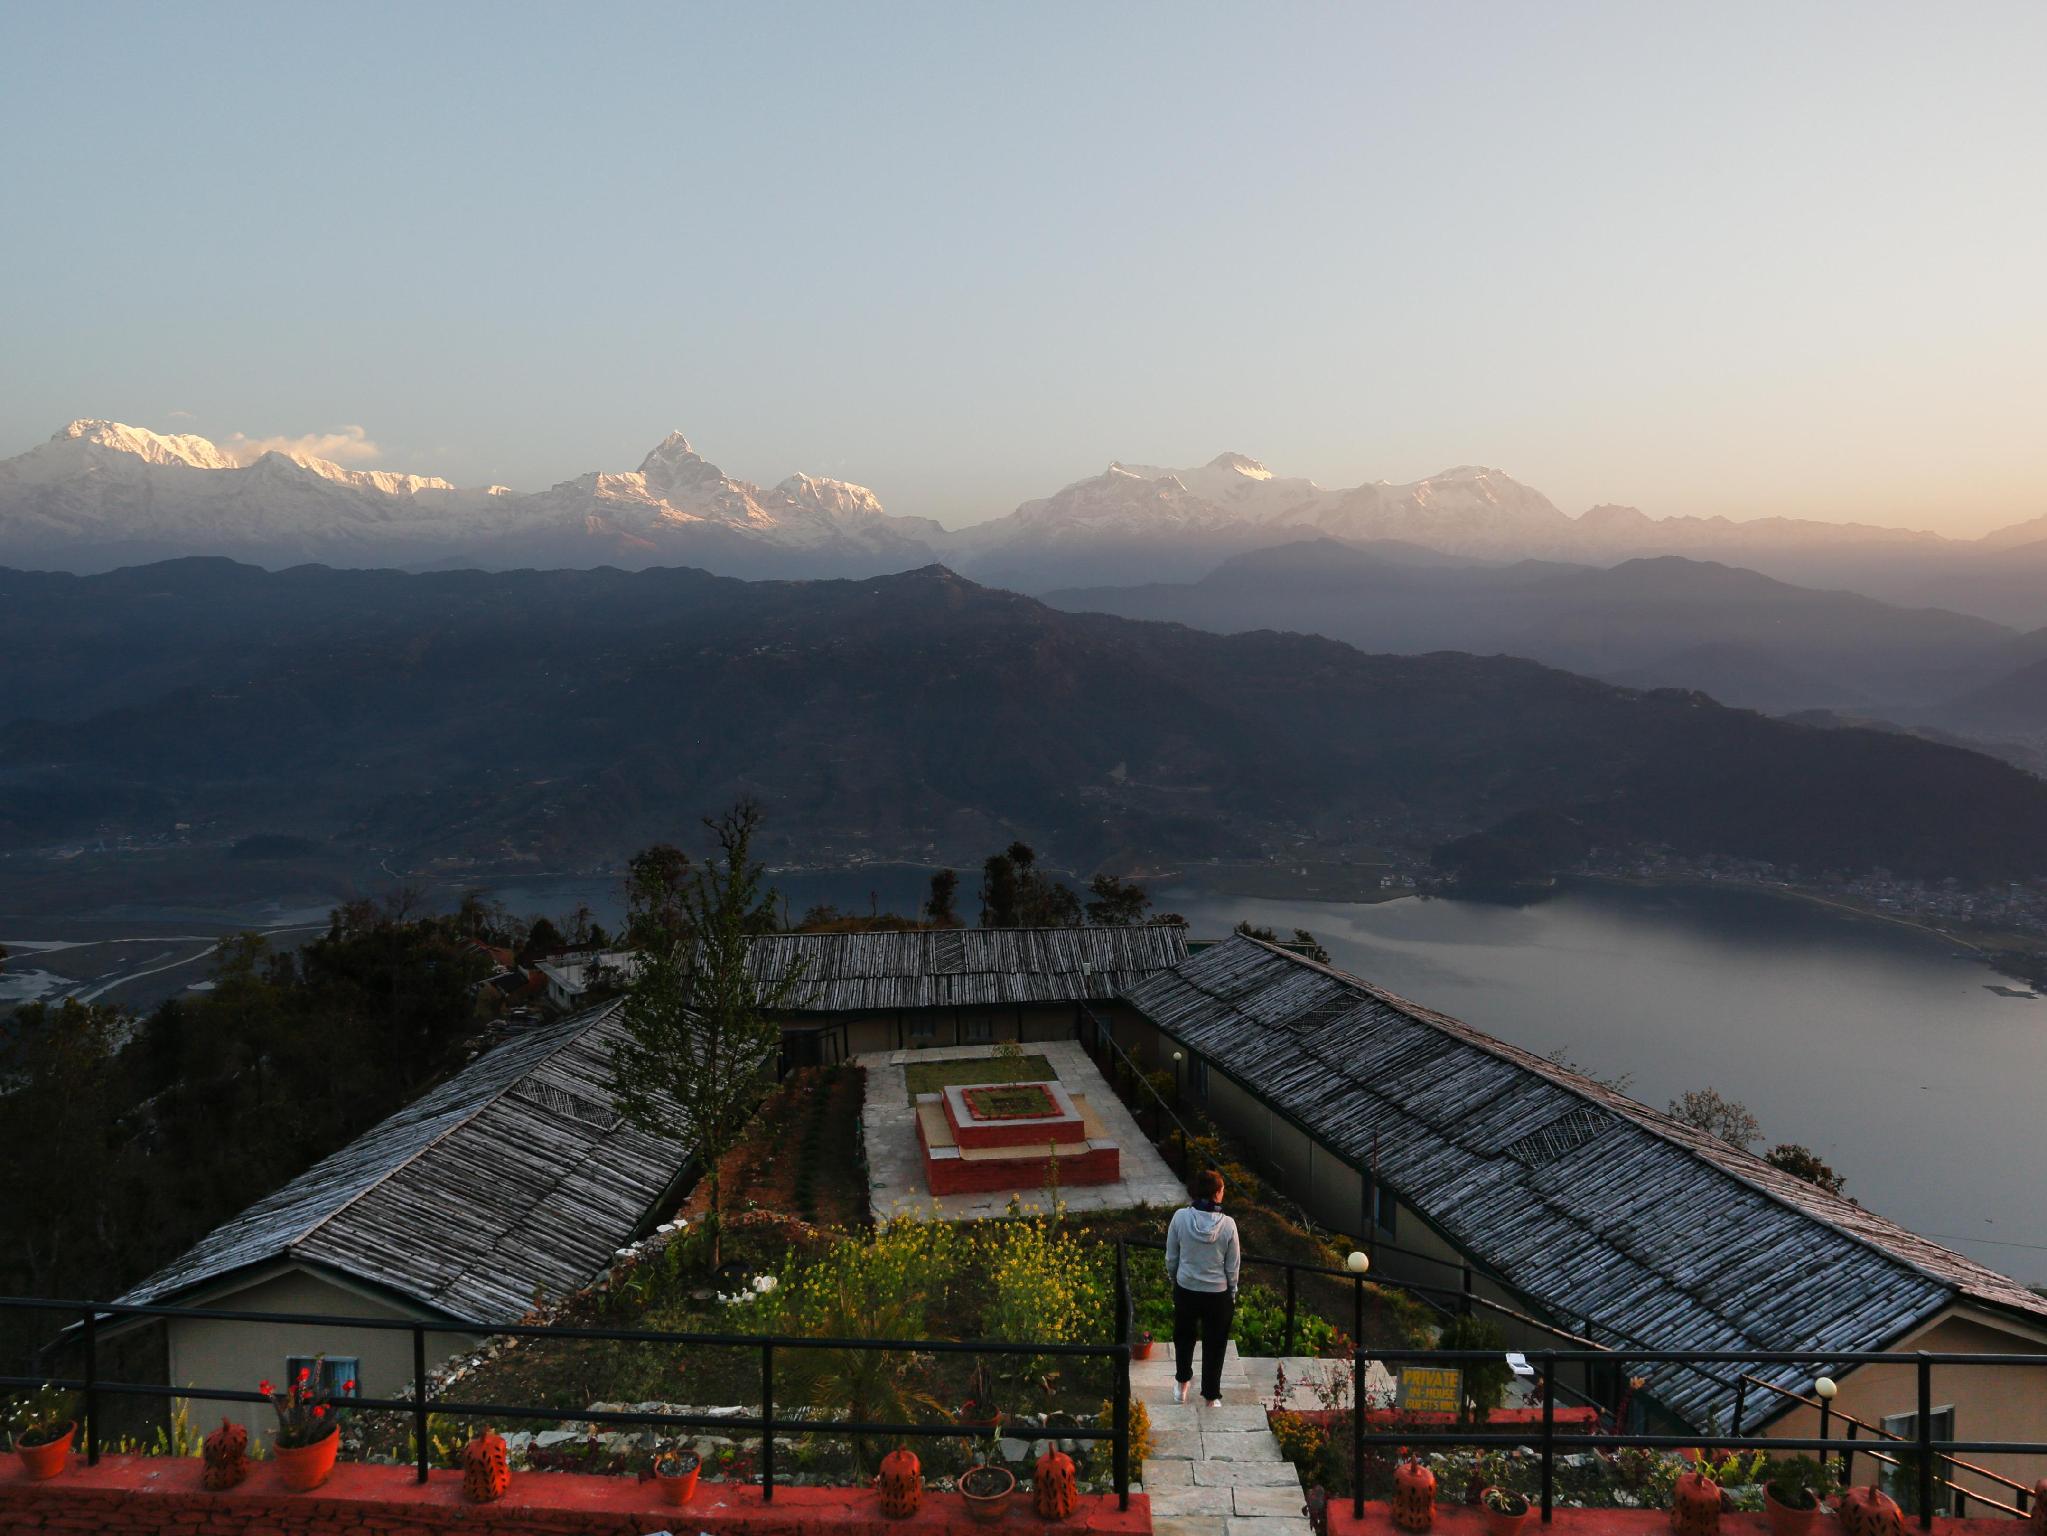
(2021, 1493)
(422, 1404)
(1926, 1450)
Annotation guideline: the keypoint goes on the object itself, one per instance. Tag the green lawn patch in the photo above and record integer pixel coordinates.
(1024, 1101)
(936, 1076)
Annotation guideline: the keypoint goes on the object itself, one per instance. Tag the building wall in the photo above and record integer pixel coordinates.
(1990, 1402)
(239, 1355)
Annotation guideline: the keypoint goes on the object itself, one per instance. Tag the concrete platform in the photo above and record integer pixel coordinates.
(895, 1158)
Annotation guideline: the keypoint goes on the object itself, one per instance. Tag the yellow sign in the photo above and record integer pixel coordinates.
(1431, 1389)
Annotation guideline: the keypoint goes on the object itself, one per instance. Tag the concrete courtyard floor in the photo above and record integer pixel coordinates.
(895, 1161)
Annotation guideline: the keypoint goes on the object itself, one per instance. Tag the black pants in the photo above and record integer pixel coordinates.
(1208, 1314)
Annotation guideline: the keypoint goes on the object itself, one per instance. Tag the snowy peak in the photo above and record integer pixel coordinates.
(150, 447)
(1236, 463)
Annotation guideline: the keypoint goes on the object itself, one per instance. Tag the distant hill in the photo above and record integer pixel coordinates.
(572, 716)
(1667, 621)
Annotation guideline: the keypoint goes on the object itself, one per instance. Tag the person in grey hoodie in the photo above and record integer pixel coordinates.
(1202, 1259)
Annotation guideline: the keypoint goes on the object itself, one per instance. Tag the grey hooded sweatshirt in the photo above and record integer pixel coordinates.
(1201, 1251)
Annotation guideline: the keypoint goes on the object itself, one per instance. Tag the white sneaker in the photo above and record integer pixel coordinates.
(1215, 1402)
(1180, 1391)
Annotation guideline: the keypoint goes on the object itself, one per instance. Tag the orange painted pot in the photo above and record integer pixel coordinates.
(49, 1458)
(677, 1487)
(1695, 1506)
(1786, 1521)
(1414, 1496)
(307, 1466)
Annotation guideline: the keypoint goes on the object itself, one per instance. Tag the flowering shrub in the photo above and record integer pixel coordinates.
(304, 1408)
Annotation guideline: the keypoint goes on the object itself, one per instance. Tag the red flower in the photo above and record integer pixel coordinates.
(304, 1373)
(319, 1410)
(263, 1387)
(348, 1385)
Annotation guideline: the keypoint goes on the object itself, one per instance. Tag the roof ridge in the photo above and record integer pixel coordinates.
(586, 1022)
(1718, 1154)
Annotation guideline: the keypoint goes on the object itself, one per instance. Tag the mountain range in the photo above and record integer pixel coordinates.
(100, 494)
(466, 720)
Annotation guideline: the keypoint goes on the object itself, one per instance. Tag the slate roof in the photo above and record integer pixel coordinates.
(965, 967)
(1608, 1214)
(514, 1175)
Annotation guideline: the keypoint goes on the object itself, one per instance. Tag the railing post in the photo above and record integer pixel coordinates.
(1740, 1404)
(1126, 1324)
(92, 1395)
(1288, 1348)
(1925, 1441)
(419, 1402)
(1549, 1435)
(1848, 1455)
(1467, 1290)
(1357, 1311)
(768, 1422)
(1357, 1426)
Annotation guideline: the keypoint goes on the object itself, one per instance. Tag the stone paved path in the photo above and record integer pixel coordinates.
(1214, 1471)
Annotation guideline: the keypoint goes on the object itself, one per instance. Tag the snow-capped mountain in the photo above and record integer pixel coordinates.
(100, 494)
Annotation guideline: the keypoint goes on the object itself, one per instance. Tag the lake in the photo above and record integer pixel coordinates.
(1873, 1044)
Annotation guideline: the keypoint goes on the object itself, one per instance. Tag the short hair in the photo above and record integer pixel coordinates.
(1206, 1185)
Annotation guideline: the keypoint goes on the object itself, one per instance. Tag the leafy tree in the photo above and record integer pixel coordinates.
(1706, 1109)
(1015, 893)
(542, 939)
(1485, 1381)
(938, 906)
(1804, 1163)
(699, 1027)
(656, 890)
(59, 1134)
(1117, 903)
(1303, 941)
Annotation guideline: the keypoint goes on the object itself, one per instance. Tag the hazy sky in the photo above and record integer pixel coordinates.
(1741, 258)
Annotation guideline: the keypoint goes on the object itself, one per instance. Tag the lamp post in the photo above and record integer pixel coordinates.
(1824, 1389)
(1357, 1262)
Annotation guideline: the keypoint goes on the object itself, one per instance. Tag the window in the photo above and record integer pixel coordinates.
(1197, 1079)
(979, 1030)
(340, 1375)
(1902, 1481)
(923, 1029)
(1384, 1206)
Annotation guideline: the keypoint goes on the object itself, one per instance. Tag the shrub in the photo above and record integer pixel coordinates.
(1485, 1381)
(1261, 1325)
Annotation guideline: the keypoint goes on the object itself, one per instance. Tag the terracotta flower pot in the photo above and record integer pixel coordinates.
(986, 1491)
(1141, 1350)
(1785, 1520)
(900, 1483)
(307, 1466)
(1500, 1523)
(677, 1486)
(49, 1458)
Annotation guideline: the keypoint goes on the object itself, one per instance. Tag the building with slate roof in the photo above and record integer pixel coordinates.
(1463, 1156)
(514, 1180)
(858, 992)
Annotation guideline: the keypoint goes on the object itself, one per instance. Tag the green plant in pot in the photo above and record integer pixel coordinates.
(1505, 1510)
(675, 1474)
(1792, 1492)
(308, 1434)
(985, 1488)
(41, 1426)
(980, 1410)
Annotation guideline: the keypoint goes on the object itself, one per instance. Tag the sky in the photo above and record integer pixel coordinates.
(1751, 259)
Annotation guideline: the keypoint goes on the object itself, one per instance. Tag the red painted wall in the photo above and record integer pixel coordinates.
(153, 1496)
